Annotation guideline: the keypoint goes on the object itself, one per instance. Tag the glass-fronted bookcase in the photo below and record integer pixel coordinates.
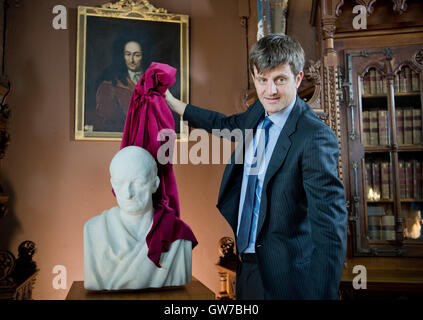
(385, 149)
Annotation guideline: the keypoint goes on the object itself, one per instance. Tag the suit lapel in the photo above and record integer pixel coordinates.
(279, 154)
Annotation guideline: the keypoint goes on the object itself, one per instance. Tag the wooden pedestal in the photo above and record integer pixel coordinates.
(194, 290)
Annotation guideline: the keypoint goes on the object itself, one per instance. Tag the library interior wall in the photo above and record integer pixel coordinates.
(56, 183)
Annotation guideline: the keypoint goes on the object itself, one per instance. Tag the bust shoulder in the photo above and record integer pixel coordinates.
(100, 221)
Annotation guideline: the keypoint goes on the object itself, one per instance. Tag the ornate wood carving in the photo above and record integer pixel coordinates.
(338, 10)
(368, 4)
(227, 268)
(134, 5)
(4, 142)
(7, 264)
(228, 258)
(329, 11)
(314, 74)
(17, 276)
(419, 57)
(400, 6)
(328, 27)
(3, 209)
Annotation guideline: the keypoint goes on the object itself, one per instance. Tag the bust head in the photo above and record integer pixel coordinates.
(133, 175)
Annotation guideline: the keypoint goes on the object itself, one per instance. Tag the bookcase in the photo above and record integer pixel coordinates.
(386, 87)
(377, 74)
(385, 151)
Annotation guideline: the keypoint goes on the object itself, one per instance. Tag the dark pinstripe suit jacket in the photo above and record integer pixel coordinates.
(301, 233)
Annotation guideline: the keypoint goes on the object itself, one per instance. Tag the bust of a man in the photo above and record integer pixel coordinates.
(115, 248)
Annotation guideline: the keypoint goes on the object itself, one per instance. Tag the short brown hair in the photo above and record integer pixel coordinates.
(274, 50)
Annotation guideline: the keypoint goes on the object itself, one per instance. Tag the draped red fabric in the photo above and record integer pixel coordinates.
(149, 113)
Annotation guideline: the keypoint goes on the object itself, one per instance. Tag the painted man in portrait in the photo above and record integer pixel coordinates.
(114, 93)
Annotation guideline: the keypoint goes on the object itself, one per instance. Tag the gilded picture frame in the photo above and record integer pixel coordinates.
(107, 41)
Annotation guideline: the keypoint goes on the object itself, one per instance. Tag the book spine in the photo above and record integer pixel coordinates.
(369, 180)
(402, 179)
(363, 89)
(385, 180)
(366, 128)
(388, 227)
(409, 192)
(383, 127)
(399, 115)
(366, 84)
(402, 81)
(377, 181)
(417, 179)
(391, 184)
(373, 89)
(384, 85)
(420, 180)
(375, 228)
(396, 82)
(414, 81)
(379, 82)
(417, 126)
(407, 79)
(374, 130)
(408, 126)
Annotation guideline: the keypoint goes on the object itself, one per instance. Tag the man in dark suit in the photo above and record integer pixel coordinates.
(285, 202)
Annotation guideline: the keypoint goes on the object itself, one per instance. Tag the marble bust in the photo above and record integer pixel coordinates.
(115, 247)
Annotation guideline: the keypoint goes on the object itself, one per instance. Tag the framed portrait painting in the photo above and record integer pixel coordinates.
(116, 43)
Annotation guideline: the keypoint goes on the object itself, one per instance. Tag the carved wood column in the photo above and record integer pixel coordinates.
(2, 19)
(4, 109)
(329, 13)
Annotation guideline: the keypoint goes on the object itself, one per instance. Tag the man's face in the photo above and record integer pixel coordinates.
(133, 184)
(276, 88)
(133, 55)
(134, 193)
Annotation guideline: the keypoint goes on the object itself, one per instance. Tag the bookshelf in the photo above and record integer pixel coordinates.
(381, 101)
(383, 98)
(373, 80)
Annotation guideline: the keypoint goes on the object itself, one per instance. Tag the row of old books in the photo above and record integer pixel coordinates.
(376, 127)
(406, 80)
(379, 179)
(374, 83)
(381, 223)
(410, 175)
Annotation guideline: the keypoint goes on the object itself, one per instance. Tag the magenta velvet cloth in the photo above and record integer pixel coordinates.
(149, 113)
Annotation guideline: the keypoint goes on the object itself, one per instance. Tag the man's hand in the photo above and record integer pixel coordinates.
(174, 104)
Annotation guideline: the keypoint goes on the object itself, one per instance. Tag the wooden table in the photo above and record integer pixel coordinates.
(194, 290)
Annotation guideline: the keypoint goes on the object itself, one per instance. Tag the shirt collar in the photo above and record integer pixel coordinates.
(279, 118)
(133, 74)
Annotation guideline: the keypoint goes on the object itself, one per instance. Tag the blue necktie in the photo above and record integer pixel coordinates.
(250, 195)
